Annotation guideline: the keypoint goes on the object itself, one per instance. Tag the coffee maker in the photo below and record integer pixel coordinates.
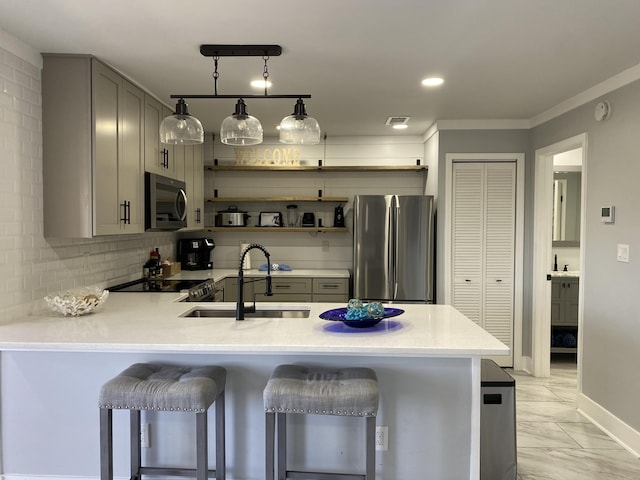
(195, 253)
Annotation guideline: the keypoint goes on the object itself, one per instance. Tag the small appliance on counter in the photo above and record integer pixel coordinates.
(195, 253)
(292, 215)
(232, 218)
(308, 219)
(270, 219)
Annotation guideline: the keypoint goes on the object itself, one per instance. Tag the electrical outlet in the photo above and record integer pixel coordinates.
(382, 438)
(144, 436)
(325, 246)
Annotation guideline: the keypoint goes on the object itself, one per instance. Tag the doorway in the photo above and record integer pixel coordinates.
(543, 256)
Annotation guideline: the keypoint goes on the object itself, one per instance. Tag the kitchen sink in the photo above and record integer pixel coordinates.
(293, 312)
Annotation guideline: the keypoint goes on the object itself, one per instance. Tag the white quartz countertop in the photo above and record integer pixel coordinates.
(151, 322)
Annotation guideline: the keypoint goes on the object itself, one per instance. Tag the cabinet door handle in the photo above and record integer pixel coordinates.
(126, 212)
(283, 286)
(499, 280)
(467, 280)
(165, 158)
(329, 285)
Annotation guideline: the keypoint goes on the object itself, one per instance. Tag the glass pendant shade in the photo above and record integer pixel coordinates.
(240, 128)
(299, 128)
(181, 128)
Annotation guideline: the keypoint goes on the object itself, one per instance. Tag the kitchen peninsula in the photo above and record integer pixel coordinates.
(427, 361)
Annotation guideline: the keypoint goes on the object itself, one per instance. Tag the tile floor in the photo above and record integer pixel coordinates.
(555, 442)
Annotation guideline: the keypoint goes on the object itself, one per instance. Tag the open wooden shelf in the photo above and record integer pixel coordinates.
(310, 168)
(277, 199)
(277, 229)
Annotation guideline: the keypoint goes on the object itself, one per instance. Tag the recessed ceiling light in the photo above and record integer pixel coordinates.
(432, 82)
(260, 84)
(401, 127)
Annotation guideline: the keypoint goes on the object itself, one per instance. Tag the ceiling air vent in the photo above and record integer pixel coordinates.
(397, 120)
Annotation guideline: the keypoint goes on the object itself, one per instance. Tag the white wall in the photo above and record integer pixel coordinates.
(34, 266)
(610, 330)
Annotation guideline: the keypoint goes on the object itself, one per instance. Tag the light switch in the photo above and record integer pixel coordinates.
(623, 253)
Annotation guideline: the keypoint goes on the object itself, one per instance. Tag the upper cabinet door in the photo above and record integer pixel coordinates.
(118, 128)
(131, 166)
(194, 179)
(155, 154)
(165, 160)
(107, 90)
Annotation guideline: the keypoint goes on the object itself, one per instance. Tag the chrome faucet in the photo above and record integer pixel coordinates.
(240, 308)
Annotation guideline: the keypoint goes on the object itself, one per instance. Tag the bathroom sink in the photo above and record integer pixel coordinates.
(293, 312)
(569, 273)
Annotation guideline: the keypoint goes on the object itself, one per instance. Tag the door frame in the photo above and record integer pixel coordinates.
(519, 237)
(542, 253)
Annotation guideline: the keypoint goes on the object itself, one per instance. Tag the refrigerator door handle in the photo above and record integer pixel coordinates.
(396, 243)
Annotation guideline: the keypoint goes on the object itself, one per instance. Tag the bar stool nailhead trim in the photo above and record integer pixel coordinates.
(294, 389)
(170, 388)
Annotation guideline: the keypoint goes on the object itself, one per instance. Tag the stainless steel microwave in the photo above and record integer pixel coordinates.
(165, 203)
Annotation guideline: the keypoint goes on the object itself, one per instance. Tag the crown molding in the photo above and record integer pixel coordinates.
(620, 80)
(483, 124)
(623, 78)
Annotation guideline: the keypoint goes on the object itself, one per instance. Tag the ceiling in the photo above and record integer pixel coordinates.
(361, 60)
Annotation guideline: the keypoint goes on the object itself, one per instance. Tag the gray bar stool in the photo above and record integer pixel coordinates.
(294, 389)
(145, 386)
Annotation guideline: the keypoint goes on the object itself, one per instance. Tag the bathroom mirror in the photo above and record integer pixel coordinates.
(566, 209)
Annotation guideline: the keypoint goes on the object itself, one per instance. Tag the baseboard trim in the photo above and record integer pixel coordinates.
(20, 476)
(622, 433)
(524, 364)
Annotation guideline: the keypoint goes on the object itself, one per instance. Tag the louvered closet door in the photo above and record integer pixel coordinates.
(468, 241)
(484, 245)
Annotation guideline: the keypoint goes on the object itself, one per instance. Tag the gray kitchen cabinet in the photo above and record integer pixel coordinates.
(93, 123)
(564, 301)
(294, 289)
(564, 314)
(194, 179)
(231, 290)
(165, 160)
(330, 290)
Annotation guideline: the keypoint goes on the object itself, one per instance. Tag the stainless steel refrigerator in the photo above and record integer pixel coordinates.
(393, 248)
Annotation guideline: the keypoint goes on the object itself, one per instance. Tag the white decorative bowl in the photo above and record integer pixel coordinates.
(76, 303)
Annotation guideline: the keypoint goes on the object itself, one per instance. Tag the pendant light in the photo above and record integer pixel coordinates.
(299, 128)
(241, 128)
(181, 128)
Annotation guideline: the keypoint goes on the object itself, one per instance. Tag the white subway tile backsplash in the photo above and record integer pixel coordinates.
(34, 266)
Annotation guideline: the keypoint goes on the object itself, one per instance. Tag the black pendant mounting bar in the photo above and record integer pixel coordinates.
(304, 95)
(240, 50)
